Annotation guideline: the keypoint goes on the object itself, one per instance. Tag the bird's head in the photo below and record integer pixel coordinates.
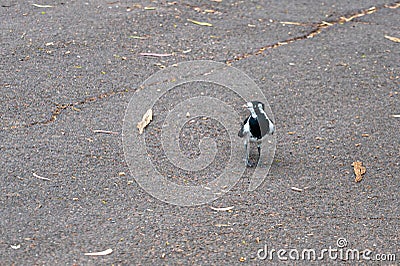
(253, 105)
(253, 108)
(248, 106)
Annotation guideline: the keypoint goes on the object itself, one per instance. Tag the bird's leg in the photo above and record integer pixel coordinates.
(259, 153)
(246, 154)
(247, 151)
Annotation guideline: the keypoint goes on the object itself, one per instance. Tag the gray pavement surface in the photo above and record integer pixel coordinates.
(72, 68)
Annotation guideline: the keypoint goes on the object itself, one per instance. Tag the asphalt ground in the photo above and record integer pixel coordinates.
(331, 78)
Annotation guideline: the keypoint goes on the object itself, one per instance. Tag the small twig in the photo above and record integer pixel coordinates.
(105, 131)
(293, 23)
(222, 209)
(41, 6)
(223, 225)
(296, 189)
(154, 54)
(41, 177)
(100, 253)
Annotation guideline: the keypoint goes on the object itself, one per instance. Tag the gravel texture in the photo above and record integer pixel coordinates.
(332, 81)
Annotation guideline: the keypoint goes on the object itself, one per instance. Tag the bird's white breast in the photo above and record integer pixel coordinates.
(246, 128)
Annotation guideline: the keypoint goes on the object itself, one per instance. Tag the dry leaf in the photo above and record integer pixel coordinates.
(18, 246)
(100, 253)
(200, 23)
(393, 39)
(326, 23)
(222, 209)
(147, 117)
(359, 170)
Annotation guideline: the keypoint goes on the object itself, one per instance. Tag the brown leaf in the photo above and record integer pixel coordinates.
(359, 170)
(200, 23)
(393, 39)
(147, 117)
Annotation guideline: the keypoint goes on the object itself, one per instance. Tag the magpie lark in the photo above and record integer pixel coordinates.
(255, 127)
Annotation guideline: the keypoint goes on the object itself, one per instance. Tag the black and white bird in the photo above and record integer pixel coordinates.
(255, 127)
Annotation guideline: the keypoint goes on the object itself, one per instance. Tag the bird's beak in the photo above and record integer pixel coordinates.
(244, 105)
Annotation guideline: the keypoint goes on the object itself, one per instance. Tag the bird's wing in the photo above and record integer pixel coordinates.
(263, 122)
